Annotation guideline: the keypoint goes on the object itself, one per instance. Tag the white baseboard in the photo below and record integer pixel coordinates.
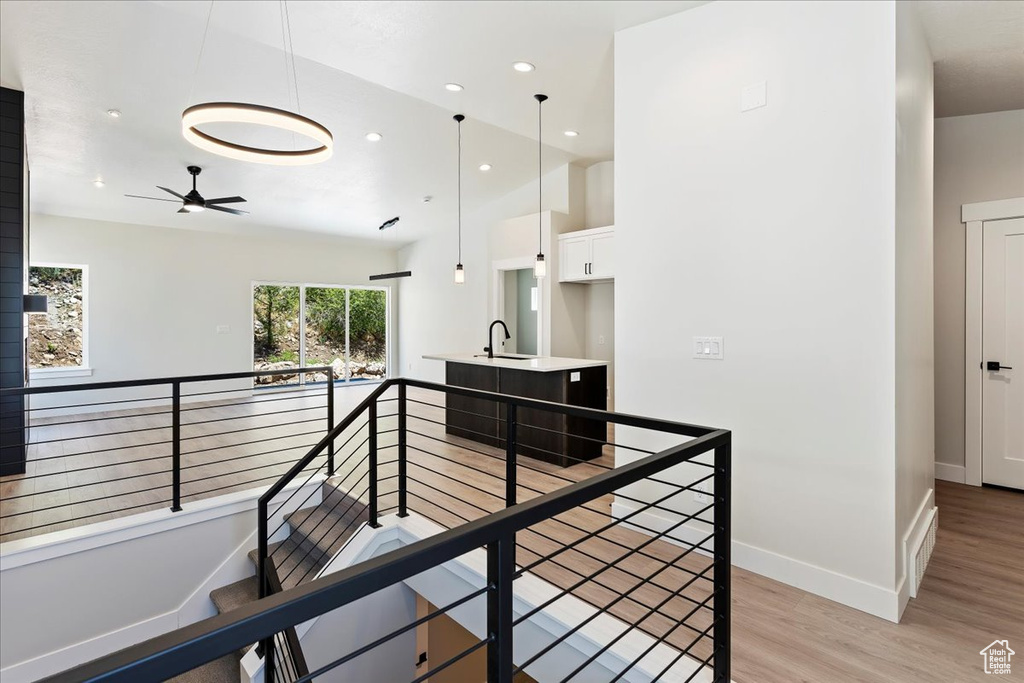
(59, 660)
(954, 473)
(867, 597)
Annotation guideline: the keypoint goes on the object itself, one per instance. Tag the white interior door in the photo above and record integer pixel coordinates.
(1003, 353)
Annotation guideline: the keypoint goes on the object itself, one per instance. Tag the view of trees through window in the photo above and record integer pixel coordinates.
(56, 340)
(344, 327)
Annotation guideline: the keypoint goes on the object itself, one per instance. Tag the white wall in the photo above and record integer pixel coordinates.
(977, 158)
(915, 348)
(344, 630)
(600, 297)
(72, 596)
(157, 295)
(775, 229)
(600, 334)
(600, 206)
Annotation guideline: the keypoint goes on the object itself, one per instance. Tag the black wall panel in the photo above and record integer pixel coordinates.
(13, 248)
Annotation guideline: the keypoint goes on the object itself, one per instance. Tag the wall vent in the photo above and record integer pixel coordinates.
(921, 552)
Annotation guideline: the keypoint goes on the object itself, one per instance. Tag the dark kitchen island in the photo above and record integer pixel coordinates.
(552, 437)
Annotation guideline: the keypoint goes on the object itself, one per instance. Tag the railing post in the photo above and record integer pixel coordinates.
(372, 474)
(501, 568)
(723, 562)
(511, 420)
(330, 420)
(403, 481)
(176, 446)
(269, 665)
(266, 646)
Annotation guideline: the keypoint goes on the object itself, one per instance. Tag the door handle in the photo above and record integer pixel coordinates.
(994, 366)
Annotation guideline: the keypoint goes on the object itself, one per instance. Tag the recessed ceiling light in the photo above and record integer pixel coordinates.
(523, 67)
(114, 113)
(485, 167)
(453, 87)
(98, 182)
(374, 137)
(571, 133)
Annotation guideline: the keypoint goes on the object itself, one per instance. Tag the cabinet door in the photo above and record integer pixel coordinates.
(602, 256)
(575, 255)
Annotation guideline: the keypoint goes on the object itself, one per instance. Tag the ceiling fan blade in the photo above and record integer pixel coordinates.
(224, 200)
(156, 199)
(182, 210)
(227, 210)
(181, 197)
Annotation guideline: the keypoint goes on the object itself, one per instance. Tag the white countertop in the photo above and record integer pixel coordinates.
(520, 362)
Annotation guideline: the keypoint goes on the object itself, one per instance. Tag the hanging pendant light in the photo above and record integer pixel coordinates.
(540, 267)
(460, 273)
(246, 113)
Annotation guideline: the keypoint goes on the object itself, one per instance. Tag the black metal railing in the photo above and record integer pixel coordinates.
(95, 451)
(635, 538)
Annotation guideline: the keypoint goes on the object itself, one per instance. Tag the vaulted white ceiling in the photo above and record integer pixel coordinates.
(361, 67)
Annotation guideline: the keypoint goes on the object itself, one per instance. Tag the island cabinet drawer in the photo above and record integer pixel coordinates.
(472, 418)
(540, 434)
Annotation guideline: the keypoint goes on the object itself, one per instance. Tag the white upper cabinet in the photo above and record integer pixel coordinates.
(587, 255)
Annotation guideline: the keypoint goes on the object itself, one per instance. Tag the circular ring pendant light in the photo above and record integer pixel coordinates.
(245, 113)
(239, 112)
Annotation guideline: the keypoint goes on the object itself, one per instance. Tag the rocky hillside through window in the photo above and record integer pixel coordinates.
(55, 340)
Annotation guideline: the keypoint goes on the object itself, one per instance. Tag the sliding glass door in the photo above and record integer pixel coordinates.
(320, 325)
(367, 339)
(275, 332)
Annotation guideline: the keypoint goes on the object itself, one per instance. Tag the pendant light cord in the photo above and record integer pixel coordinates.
(460, 191)
(291, 53)
(540, 173)
(199, 59)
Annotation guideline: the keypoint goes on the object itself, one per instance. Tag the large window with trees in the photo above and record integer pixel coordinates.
(320, 325)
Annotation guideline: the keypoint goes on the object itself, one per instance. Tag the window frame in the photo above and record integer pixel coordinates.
(85, 369)
(302, 286)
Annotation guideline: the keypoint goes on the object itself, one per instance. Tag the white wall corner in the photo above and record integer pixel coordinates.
(948, 472)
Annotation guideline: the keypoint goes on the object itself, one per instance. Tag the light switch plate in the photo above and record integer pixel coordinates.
(709, 348)
(754, 96)
(223, 329)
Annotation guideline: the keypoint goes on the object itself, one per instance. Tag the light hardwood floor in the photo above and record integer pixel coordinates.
(972, 594)
(95, 466)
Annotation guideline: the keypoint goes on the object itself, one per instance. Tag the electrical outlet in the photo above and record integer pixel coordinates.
(600, 339)
(223, 329)
(701, 494)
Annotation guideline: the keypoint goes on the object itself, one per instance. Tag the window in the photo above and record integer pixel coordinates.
(58, 339)
(320, 325)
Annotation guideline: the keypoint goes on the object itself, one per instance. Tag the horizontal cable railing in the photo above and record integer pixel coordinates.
(92, 452)
(626, 547)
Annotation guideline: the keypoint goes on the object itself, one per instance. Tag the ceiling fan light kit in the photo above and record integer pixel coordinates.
(240, 112)
(194, 202)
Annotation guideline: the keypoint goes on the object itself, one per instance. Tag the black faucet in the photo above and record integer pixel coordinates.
(490, 335)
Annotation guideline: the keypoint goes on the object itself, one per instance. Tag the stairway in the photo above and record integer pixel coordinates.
(317, 534)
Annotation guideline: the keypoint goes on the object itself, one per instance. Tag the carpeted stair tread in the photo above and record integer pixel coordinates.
(235, 595)
(325, 528)
(293, 564)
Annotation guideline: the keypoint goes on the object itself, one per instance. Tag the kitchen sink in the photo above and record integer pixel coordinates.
(505, 356)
